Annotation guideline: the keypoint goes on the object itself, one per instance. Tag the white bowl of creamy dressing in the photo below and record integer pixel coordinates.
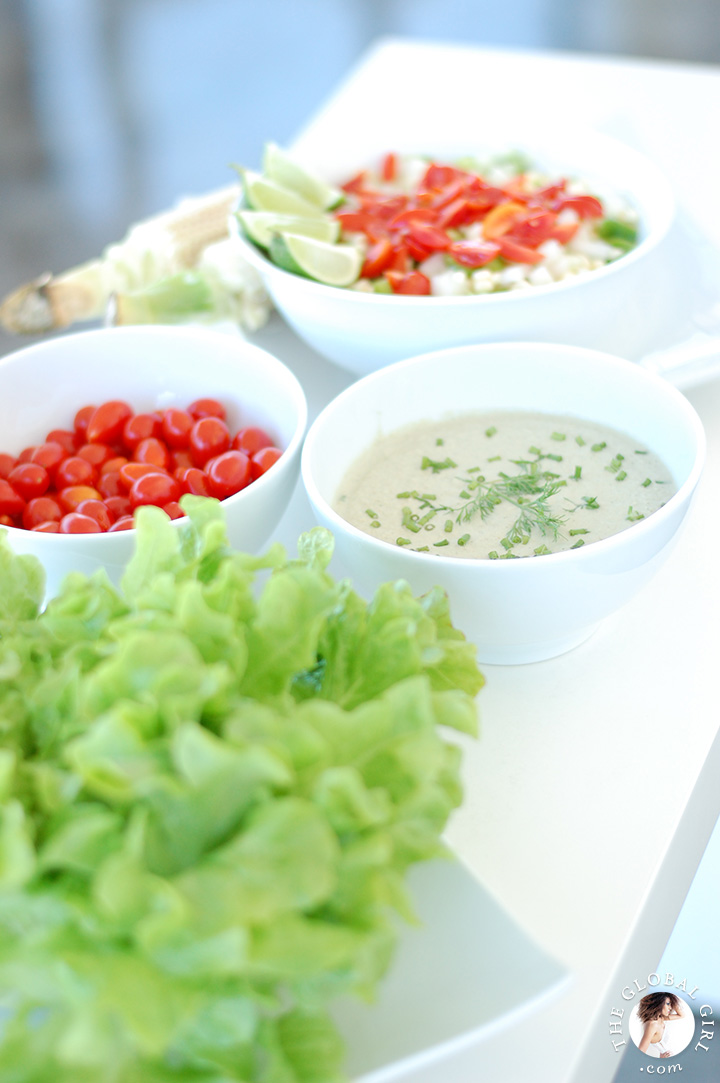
(510, 591)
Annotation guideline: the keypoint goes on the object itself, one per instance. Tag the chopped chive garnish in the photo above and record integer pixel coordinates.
(578, 530)
(639, 452)
(404, 496)
(534, 450)
(621, 475)
(439, 442)
(555, 458)
(493, 554)
(476, 469)
(578, 543)
(464, 539)
(506, 543)
(558, 436)
(590, 502)
(375, 523)
(491, 431)
(599, 447)
(578, 473)
(436, 466)
(443, 542)
(634, 516)
(402, 541)
(372, 514)
(646, 483)
(409, 521)
(541, 551)
(448, 526)
(495, 459)
(579, 441)
(422, 549)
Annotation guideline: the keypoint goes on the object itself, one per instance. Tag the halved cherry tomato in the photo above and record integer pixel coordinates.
(474, 253)
(586, 206)
(193, 480)
(518, 253)
(378, 257)
(501, 218)
(413, 282)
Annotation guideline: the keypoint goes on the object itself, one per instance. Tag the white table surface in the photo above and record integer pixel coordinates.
(593, 790)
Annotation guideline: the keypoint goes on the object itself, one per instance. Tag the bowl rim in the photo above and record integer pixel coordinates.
(663, 193)
(183, 332)
(581, 555)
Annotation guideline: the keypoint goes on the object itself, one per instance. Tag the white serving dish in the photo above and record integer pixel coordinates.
(534, 608)
(365, 331)
(42, 387)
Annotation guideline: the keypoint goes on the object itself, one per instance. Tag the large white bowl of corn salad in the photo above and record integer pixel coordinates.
(406, 251)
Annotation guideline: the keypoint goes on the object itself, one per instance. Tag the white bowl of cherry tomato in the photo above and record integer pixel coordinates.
(453, 253)
(97, 424)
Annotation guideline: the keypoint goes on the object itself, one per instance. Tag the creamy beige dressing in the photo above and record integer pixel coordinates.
(502, 485)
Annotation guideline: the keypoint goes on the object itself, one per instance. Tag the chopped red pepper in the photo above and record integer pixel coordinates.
(413, 282)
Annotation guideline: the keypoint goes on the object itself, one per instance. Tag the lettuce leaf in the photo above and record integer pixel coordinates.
(212, 783)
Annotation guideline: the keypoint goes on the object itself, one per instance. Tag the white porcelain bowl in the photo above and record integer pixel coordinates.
(533, 608)
(42, 387)
(364, 331)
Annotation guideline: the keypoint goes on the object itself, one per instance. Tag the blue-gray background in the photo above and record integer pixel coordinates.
(111, 109)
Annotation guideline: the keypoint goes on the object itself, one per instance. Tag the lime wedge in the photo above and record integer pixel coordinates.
(261, 194)
(333, 264)
(259, 226)
(279, 167)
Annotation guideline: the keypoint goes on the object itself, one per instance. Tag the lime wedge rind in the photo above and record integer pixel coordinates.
(259, 226)
(331, 264)
(281, 167)
(259, 193)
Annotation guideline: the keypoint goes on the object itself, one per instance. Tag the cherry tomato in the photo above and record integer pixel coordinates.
(126, 523)
(75, 523)
(110, 484)
(73, 495)
(262, 460)
(208, 437)
(206, 408)
(176, 426)
(113, 464)
(152, 451)
(96, 454)
(69, 440)
(140, 427)
(29, 480)
(74, 471)
(7, 520)
(251, 440)
(130, 472)
(154, 488)
(180, 459)
(518, 253)
(81, 419)
(228, 473)
(378, 258)
(118, 507)
(7, 462)
(193, 480)
(41, 509)
(49, 455)
(107, 422)
(26, 454)
(50, 526)
(97, 510)
(174, 510)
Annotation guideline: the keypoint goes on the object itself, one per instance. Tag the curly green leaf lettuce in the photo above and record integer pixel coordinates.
(212, 783)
